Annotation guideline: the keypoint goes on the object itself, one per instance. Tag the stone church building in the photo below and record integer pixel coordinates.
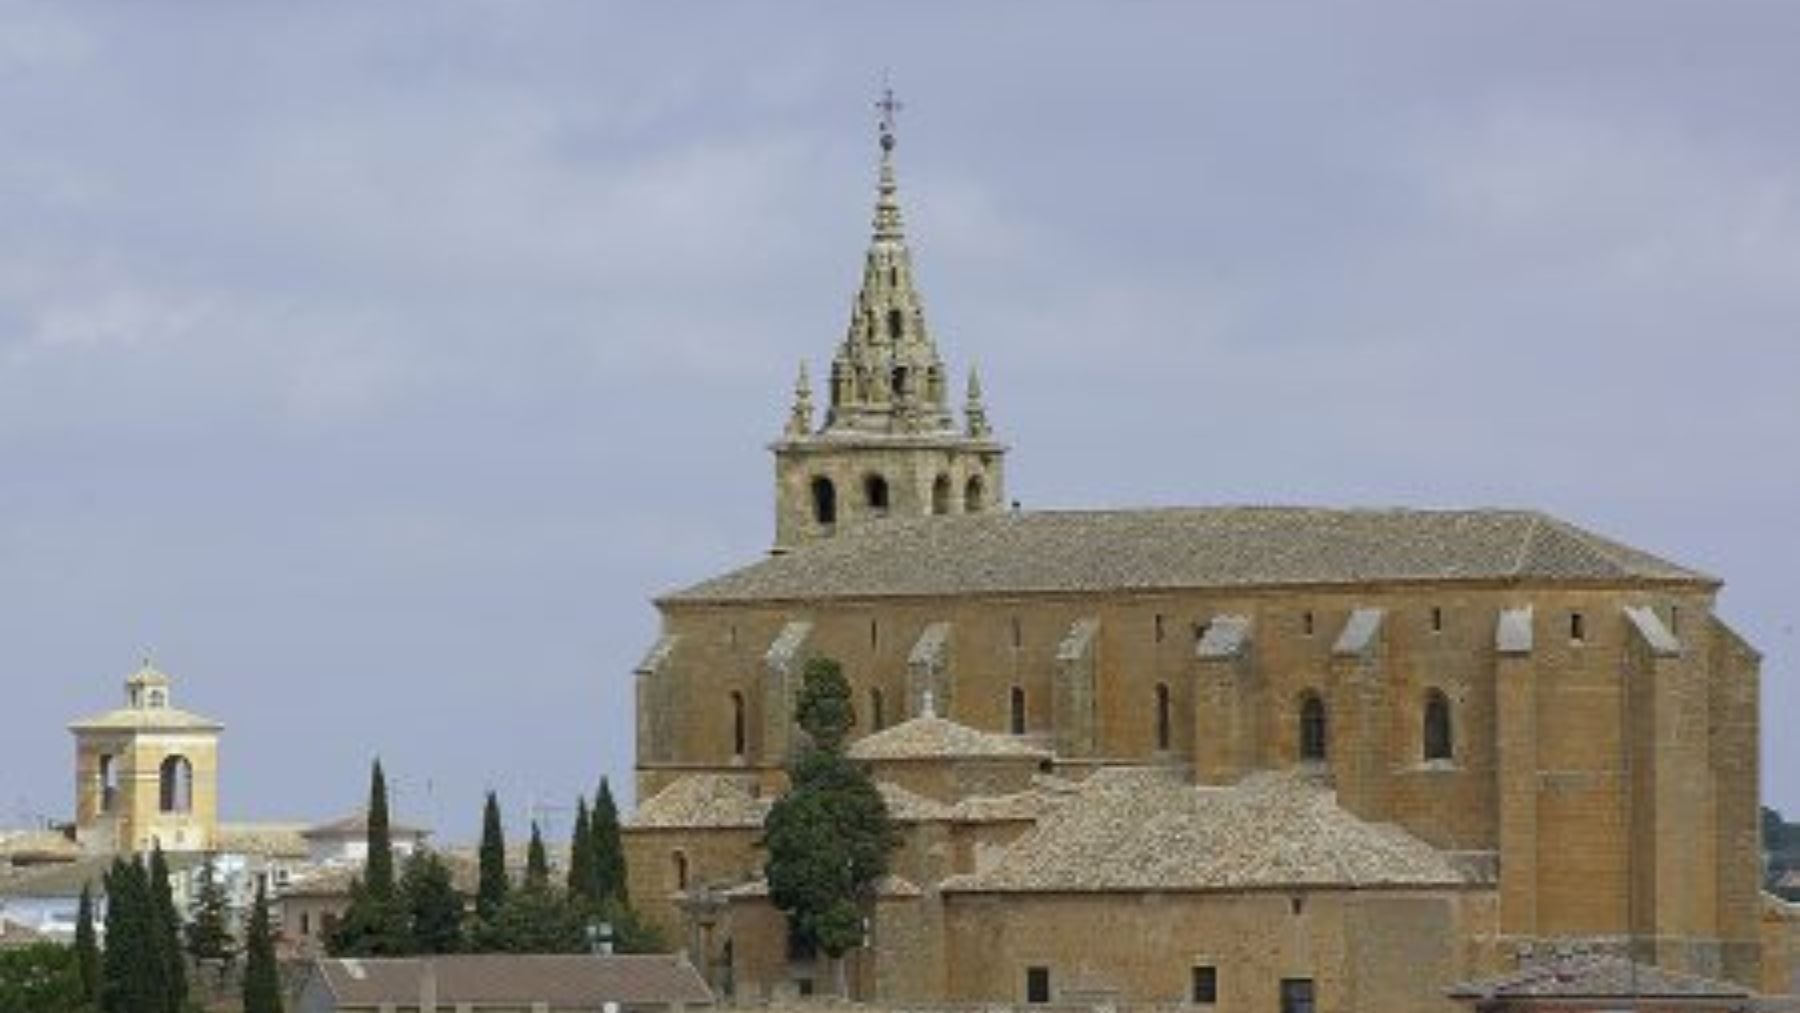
(1256, 758)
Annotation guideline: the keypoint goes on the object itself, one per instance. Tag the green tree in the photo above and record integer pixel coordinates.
(133, 977)
(209, 931)
(375, 922)
(87, 947)
(493, 886)
(829, 837)
(434, 908)
(537, 863)
(583, 884)
(536, 918)
(42, 978)
(262, 979)
(166, 933)
(609, 848)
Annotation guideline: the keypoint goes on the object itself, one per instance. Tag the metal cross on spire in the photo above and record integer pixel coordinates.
(890, 109)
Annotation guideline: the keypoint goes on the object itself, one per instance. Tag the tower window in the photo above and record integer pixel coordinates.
(1306, 623)
(1438, 742)
(940, 495)
(974, 495)
(1163, 724)
(1017, 721)
(877, 720)
(824, 497)
(1312, 728)
(739, 729)
(175, 784)
(1437, 619)
(875, 493)
(874, 634)
(1577, 627)
(1037, 985)
(1206, 985)
(109, 783)
(681, 870)
(896, 323)
(1157, 627)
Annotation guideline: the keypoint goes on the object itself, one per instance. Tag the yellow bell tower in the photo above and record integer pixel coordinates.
(147, 773)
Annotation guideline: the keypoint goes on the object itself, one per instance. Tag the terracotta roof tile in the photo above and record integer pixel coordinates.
(579, 981)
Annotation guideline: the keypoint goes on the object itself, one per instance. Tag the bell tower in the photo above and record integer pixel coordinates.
(890, 445)
(147, 773)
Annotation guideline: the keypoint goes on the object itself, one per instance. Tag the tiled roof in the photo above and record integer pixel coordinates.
(268, 840)
(929, 737)
(1201, 547)
(354, 825)
(910, 807)
(573, 981)
(1145, 829)
(146, 719)
(1595, 976)
(703, 800)
(37, 845)
(65, 879)
(1021, 806)
(333, 880)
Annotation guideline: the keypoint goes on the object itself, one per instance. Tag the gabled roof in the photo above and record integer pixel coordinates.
(1595, 976)
(1198, 547)
(579, 981)
(355, 826)
(929, 737)
(1145, 829)
(715, 801)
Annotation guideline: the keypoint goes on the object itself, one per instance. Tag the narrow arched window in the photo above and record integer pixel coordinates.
(875, 493)
(1018, 711)
(739, 730)
(109, 783)
(896, 323)
(974, 494)
(877, 719)
(175, 783)
(940, 495)
(1312, 728)
(824, 497)
(1439, 745)
(680, 863)
(1164, 729)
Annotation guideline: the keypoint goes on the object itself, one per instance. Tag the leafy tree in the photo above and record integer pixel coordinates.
(434, 908)
(537, 864)
(491, 890)
(42, 978)
(829, 837)
(609, 848)
(166, 931)
(536, 919)
(262, 979)
(375, 922)
(584, 885)
(209, 931)
(87, 948)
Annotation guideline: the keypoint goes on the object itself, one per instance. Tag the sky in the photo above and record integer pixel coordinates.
(372, 365)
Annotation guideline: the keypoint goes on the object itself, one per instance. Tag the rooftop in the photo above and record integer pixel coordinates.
(1144, 829)
(929, 737)
(703, 800)
(1200, 547)
(571, 981)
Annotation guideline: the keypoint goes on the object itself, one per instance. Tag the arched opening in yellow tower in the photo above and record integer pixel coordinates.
(175, 782)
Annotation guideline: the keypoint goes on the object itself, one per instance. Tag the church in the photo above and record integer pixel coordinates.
(1252, 758)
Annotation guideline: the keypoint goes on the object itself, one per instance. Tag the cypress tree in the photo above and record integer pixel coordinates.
(609, 849)
(87, 948)
(166, 931)
(133, 974)
(208, 933)
(583, 885)
(537, 864)
(378, 874)
(262, 980)
(493, 886)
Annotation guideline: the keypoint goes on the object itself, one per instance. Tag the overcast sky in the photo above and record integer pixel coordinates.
(374, 364)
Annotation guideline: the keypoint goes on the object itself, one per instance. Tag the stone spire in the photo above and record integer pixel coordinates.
(800, 417)
(886, 376)
(975, 409)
